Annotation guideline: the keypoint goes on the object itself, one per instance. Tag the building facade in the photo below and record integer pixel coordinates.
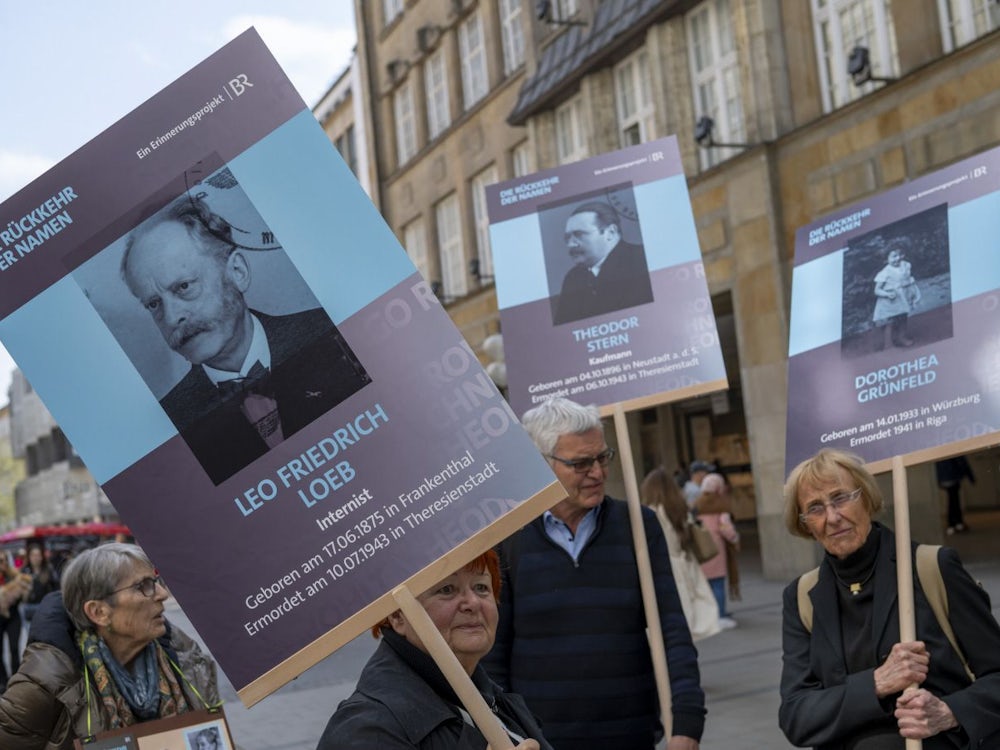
(341, 113)
(816, 104)
(11, 472)
(56, 488)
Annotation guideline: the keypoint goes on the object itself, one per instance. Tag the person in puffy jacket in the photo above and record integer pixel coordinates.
(102, 656)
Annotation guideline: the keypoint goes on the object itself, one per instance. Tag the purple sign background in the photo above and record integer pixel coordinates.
(663, 352)
(857, 384)
(638, 352)
(354, 526)
(292, 553)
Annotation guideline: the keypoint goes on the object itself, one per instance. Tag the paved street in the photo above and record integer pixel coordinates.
(740, 668)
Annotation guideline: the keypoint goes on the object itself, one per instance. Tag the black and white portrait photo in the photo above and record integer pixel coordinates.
(594, 255)
(206, 738)
(897, 285)
(221, 326)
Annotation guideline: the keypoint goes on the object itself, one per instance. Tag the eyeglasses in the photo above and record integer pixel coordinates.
(146, 587)
(582, 465)
(838, 502)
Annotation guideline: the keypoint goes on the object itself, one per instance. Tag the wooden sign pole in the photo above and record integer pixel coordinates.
(448, 663)
(653, 629)
(904, 563)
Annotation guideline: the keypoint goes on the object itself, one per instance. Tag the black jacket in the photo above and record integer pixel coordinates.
(312, 370)
(623, 282)
(823, 706)
(402, 701)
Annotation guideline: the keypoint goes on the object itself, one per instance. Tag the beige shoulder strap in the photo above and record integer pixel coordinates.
(806, 583)
(929, 575)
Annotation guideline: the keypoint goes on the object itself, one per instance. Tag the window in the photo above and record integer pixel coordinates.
(438, 103)
(566, 8)
(406, 132)
(965, 20)
(521, 159)
(391, 9)
(345, 145)
(473, 53)
(715, 76)
(449, 229)
(61, 449)
(841, 25)
(479, 182)
(415, 241)
(571, 139)
(633, 100)
(512, 34)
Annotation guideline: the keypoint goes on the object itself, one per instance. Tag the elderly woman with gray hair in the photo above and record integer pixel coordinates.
(102, 656)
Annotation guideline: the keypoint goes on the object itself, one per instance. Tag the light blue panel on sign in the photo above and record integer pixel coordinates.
(83, 376)
(518, 261)
(668, 231)
(973, 229)
(817, 303)
(324, 220)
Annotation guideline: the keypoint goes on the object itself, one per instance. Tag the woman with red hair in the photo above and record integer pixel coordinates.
(402, 699)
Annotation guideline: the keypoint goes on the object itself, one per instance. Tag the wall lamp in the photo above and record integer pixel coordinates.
(703, 135)
(859, 67)
(474, 270)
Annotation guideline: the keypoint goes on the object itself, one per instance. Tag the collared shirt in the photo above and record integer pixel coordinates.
(596, 268)
(259, 352)
(572, 542)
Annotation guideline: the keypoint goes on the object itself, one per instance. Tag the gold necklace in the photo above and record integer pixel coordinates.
(854, 588)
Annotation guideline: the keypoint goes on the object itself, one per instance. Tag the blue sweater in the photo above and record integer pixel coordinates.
(571, 638)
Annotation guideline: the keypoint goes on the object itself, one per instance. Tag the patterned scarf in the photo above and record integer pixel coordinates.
(152, 692)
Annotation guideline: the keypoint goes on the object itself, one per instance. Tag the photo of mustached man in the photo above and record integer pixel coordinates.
(254, 379)
(608, 274)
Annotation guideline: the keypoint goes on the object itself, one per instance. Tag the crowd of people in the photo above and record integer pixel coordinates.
(550, 628)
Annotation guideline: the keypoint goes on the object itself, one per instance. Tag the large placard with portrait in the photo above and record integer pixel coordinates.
(247, 361)
(893, 346)
(600, 282)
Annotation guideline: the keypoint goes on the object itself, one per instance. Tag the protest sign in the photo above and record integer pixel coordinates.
(603, 300)
(893, 345)
(639, 332)
(371, 452)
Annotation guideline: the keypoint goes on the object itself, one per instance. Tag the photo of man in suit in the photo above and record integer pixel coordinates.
(254, 379)
(609, 273)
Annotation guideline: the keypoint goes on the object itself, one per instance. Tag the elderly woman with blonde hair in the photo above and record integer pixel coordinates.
(847, 681)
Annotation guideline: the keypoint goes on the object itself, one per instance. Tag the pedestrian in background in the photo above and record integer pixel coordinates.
(661, 493)
(44, 580)
(949, 474)
(12, 588)
(692, 487)
(714, 509)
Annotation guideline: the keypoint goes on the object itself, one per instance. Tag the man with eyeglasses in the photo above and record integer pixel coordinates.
(609, 273)
(572, 632)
